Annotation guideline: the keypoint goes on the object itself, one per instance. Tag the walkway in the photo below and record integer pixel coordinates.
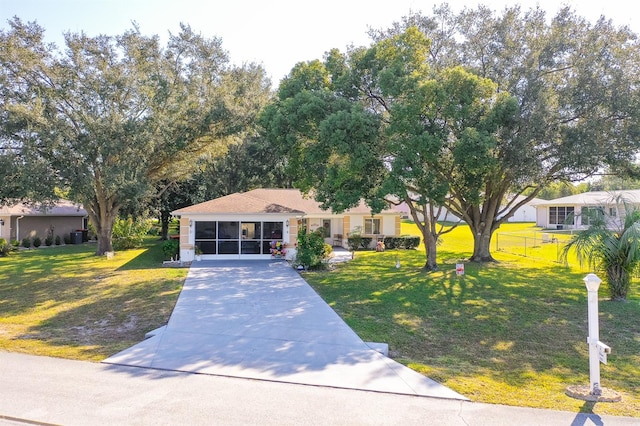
(261, 320)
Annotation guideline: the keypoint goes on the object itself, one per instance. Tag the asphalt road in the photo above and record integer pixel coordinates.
(42, 390)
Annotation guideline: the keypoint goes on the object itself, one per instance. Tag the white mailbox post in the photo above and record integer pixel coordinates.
(597, 350)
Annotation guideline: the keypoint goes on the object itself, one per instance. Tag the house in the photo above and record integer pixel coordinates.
(575, 211)
(247, 225)
(23, 220)
(525, 213)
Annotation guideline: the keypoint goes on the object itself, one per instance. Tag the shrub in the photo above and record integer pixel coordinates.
(365, 242)
(171, 249)
(37, 242)
(128, 234)
(48, 241)
(67, 239)
(354, 242)
(5, 247)
(57, 240)
(312, 250)
(26, 242)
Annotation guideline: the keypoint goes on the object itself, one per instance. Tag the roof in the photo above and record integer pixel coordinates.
(60, 208)
(267, 200)
(593, 198)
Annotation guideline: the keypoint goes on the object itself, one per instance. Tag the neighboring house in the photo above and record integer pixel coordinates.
(445, 215)
(246, 225)
(526, 213)
(575, 211)
(22, 220)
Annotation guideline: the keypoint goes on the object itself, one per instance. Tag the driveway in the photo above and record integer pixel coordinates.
(261, 320)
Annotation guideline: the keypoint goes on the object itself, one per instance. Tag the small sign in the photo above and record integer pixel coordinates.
(459, 269)
(603, 357)
(603, 350)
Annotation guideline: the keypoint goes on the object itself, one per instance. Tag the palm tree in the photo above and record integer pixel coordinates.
(610, 246)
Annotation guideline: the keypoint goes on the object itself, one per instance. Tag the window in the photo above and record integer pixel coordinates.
(591, 214)
(561, 215)
(371, 226)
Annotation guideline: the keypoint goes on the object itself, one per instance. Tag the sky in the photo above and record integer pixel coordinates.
(274, 33)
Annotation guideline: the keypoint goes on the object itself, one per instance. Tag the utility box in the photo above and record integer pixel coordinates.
(76, 237)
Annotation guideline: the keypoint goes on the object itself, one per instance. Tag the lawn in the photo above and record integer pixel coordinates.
(512, 332)
(67, 302)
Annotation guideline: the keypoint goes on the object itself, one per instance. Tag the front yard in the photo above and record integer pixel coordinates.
(66, 302)
(510, 333)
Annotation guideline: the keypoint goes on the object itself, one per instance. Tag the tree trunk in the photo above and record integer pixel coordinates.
(103, 214)
(430, 251)
(164, 221)
(482, 244)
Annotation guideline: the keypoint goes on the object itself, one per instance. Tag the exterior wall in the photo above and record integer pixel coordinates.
(40, 226)
(525, 213)
(5, 228)
(542, 216)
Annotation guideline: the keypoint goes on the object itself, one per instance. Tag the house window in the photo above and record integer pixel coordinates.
(561, 215)
(613, 212)
(371, 226)
(590, 215)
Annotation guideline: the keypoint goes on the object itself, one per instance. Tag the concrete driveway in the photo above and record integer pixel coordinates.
(261, 320)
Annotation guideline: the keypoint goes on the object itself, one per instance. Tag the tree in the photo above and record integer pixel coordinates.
(576, 92)
(403, 140)
(611, 245)
(111, 116)
(466, 111)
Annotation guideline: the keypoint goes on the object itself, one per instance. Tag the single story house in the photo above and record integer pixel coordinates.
(575, 211)
(24, 220)
(525, 213)
(249, 225)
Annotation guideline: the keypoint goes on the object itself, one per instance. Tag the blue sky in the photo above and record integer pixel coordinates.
(275, 33)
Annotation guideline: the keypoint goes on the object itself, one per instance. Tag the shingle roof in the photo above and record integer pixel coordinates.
(61, 208)
(593, 198)
(265, 200)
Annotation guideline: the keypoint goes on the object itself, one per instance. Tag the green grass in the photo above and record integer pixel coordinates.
(67, 302)
(512, 332)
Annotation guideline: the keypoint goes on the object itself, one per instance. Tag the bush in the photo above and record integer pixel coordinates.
(365, 242)
(5, 247)
(354, 242)
(37, 242)
(26, 242)
(57, 241)
(312, 250)
(48, 241)
(171, 249)
(67, 239)
(128, 234)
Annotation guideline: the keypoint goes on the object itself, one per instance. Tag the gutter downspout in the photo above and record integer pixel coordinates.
(18, 228)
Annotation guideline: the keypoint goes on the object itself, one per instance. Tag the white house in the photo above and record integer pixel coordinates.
(247, 225)
(575, 211)
(525, 213)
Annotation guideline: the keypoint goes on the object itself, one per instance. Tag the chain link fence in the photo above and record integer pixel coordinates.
(539, 245)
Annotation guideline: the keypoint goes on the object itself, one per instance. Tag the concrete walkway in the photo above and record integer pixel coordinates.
(261, 320)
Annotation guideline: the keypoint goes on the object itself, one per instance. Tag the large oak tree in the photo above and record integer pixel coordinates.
(466, 111)
(110, 117)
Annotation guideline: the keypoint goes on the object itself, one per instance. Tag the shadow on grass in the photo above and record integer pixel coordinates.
(150, 258)
(507, 321)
